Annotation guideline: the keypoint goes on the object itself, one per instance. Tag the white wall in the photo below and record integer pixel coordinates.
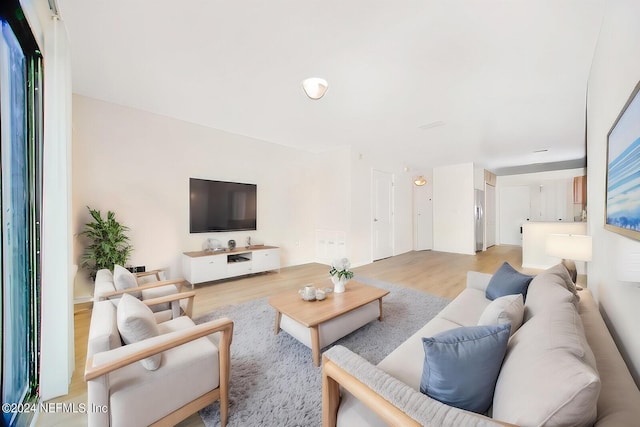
(137, 164)
(615, 72)
(331, 198)
(532, 180)
(453, 200)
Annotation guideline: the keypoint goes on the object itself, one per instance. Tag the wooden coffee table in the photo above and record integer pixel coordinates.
(311, 314)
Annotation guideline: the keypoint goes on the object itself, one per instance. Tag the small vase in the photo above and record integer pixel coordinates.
(339, 284)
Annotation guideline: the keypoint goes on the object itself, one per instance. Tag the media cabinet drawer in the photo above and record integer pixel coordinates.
(238, 268)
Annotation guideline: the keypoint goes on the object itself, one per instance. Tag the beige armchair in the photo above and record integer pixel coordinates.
(111, 286)
(192, 369)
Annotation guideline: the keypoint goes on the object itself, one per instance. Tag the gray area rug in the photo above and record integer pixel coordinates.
(273, 379)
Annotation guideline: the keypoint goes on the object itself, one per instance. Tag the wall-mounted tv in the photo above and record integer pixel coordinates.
(221, 206)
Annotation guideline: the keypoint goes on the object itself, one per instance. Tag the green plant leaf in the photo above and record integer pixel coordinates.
(108, 242)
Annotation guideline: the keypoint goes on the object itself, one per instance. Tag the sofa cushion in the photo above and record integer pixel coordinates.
(507, 281)
(466, 308)
(561, 271)
(188, 371)
(549, 374)
(506, 309)
(158, 292)
(619, 395)
(547, 290)
(123, 279)
(406, 361)
(136, 323)
(461, 366)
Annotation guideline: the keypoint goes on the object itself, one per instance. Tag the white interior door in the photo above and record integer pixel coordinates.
(382, 215)
(490, 215)
(423, 217)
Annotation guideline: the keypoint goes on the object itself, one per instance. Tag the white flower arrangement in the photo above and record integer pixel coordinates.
(340, 268)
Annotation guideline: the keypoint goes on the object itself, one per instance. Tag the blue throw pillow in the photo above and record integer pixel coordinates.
(507, 281)
(461, 366)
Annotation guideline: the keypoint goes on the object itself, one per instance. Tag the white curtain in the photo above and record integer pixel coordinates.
(57, 342)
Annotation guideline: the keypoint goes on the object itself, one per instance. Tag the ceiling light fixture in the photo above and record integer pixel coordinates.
(420, 181)
(315, 87)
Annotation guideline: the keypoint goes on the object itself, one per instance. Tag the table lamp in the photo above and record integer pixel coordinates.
(571, 248)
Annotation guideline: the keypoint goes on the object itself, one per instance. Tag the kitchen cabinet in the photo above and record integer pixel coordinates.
(580, 190)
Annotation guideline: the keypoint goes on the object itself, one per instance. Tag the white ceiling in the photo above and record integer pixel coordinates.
(434, 81)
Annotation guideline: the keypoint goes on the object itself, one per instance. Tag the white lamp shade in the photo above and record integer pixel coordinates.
(315, 87)
(574, 247)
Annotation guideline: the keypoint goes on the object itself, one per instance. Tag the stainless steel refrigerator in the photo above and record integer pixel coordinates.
(479, 219)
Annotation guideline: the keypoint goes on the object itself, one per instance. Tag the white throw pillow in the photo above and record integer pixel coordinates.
(136, 323)
(506, 309)
(123, 279)
(549, 374)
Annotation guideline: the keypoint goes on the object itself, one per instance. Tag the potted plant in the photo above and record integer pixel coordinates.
(340, 274)
(109, 244)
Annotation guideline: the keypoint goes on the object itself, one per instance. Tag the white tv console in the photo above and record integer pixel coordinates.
(207, 266)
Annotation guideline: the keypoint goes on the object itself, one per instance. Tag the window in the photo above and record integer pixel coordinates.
(20, 202)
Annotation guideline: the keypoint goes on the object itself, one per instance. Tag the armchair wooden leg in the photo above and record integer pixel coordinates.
(224, 404)
(330, 398)
(225, 373)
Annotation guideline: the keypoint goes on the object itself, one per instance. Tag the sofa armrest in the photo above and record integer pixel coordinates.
(477, 280)
(179, 283)
(391, 399)
(102, 363)
(149, 273)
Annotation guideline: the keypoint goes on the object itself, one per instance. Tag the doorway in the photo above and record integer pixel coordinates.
(382, 220)
(423, 217)
(490, 215)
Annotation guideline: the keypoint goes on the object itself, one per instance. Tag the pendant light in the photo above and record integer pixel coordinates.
(420, 181)
(315, 87)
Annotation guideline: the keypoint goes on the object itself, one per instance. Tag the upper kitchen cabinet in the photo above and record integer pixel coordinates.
(580, 190)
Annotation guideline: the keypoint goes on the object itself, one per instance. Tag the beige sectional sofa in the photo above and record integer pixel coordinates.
(561, 368)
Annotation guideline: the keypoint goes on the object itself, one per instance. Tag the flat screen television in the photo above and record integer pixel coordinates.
(221, 206)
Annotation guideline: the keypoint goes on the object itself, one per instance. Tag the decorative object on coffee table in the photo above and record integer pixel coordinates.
(308, 293)
(340, 274)
(232, 244)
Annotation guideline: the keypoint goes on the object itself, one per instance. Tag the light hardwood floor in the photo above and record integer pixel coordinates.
(439, 273)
